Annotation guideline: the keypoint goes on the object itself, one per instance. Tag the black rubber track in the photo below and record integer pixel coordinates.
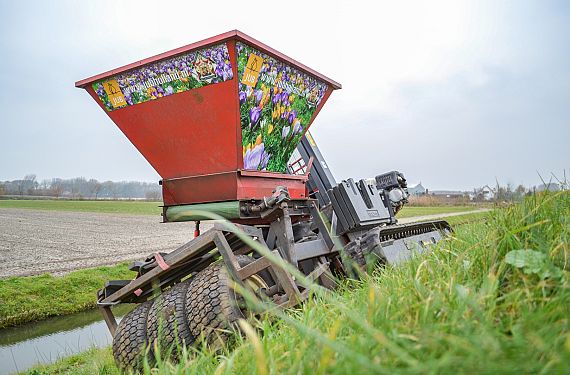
(167, 323)
(211, 303)
(131, 338)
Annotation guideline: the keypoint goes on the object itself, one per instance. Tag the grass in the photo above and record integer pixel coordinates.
(93, 361)
(115, 207)
(463, 308)
(411, 211)
(25, 299)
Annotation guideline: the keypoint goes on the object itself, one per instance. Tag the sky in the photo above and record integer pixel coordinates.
(455, 94)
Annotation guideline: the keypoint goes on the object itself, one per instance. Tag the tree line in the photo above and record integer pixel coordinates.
(80, 188)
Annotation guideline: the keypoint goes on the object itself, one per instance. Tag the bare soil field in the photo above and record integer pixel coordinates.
(34, 242)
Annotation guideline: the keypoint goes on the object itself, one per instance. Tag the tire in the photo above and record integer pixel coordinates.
(167, 323)
(211, 304)
(130, 338)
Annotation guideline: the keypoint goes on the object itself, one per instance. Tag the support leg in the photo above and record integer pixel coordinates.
(109, 319)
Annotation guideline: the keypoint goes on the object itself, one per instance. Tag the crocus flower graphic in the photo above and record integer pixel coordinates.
(258, 95)
(228, 73)
(285, 132)
(242, 97)
(292, 116)
(169, 90)
(129, 99)
(275, 98)
(254, 115)
(297, 128)
(256, 158)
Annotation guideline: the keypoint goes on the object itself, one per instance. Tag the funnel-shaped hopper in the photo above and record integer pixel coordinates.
(217, 119)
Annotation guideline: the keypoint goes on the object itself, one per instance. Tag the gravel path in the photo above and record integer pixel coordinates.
(34, 242)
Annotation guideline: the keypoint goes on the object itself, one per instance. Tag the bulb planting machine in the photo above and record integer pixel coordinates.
(225, 124)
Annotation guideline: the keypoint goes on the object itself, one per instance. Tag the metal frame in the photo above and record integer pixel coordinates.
(223, 242)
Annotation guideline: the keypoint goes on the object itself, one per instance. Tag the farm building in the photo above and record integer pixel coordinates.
(484, 193)
(417, 190)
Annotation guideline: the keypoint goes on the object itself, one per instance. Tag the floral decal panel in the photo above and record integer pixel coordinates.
(277, 103)
(167, 77)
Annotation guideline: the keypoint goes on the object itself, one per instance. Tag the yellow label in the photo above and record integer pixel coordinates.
(252, 69)
(310, 138)
(114, 93)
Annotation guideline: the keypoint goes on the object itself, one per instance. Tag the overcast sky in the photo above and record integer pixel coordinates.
(454, 94)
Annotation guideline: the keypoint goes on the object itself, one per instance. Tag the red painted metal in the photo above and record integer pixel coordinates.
(187, 134)
(235, 185)
(193, 138)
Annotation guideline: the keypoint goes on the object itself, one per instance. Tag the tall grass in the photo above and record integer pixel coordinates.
(460, 309)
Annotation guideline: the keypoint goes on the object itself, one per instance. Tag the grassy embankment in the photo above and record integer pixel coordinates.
(493, 299)
(25, 299)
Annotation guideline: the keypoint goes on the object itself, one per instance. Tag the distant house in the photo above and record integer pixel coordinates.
(417, 190)
(484, 193)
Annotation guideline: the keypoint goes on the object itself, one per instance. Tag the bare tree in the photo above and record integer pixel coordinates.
(56, 187)
(30, 183)
(96, 188)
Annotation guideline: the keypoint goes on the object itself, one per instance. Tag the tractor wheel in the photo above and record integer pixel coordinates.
(131, 338)
(167, 323)
(211, 303)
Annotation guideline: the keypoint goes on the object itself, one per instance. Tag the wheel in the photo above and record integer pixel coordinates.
(167, 323)
(130, 339)
(212, 305)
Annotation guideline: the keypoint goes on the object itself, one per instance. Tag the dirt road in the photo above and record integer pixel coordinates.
(34, 242)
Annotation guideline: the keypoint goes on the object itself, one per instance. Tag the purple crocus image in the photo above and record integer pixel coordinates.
(254, 115)
(292, 116)
(297, 128)
(100, 90)
(242, 97)
(169, 91)
(227, 73)
(258, 96)
(285, 132)
(256, 158)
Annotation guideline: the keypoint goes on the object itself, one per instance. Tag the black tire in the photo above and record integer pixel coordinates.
(211, 303)
(130, 339)
(167, 323)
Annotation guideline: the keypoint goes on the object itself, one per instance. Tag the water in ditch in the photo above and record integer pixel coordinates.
(48, 340)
